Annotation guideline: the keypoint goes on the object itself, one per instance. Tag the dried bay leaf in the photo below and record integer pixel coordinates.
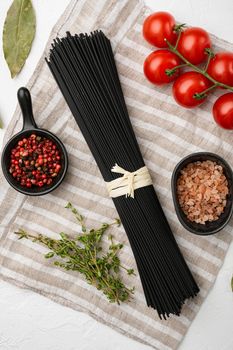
(18, 34)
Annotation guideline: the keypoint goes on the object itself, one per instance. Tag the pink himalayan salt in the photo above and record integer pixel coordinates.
(202, 190)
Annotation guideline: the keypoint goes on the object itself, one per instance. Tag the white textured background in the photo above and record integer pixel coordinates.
(30, 321)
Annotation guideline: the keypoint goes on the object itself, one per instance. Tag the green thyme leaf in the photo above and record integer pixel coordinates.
(232, 283)
(18, 34)
(63, 235)
(49, 255)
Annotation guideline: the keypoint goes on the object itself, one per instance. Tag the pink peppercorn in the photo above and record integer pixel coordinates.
(33, 162)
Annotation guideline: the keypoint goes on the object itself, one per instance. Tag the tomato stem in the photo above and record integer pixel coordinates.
(210, 54)
(203, 94)
(197, 69)
(179, 29)
(170, 72)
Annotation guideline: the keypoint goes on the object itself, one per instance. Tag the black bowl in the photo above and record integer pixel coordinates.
(209, 227)
(30, 127)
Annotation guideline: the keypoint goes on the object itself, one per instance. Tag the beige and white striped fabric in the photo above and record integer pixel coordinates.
(165, 132)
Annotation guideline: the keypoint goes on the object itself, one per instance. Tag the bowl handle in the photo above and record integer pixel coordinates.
(25, 103)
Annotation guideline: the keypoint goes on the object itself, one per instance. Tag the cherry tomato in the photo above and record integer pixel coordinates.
(221, 68)
(186, 86)
(223, 111)
(159, 26)
(192, 44)
(156, 64)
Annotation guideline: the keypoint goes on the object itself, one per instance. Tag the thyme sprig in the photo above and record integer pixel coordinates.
(84, 254)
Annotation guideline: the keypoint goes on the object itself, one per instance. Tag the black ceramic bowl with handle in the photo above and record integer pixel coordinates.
(209, 227)
(29, 127)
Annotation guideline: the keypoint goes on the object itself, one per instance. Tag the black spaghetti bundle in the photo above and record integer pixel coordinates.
(85, 71)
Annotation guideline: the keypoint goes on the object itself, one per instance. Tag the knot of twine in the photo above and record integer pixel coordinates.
(128, 182)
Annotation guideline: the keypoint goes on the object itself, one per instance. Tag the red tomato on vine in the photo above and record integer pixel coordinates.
(186, 86)
(221, 68)
(159, 26)
(192, 44)
(223, 111)
(157, 63)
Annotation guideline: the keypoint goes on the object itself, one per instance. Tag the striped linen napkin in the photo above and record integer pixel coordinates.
(165, 132)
